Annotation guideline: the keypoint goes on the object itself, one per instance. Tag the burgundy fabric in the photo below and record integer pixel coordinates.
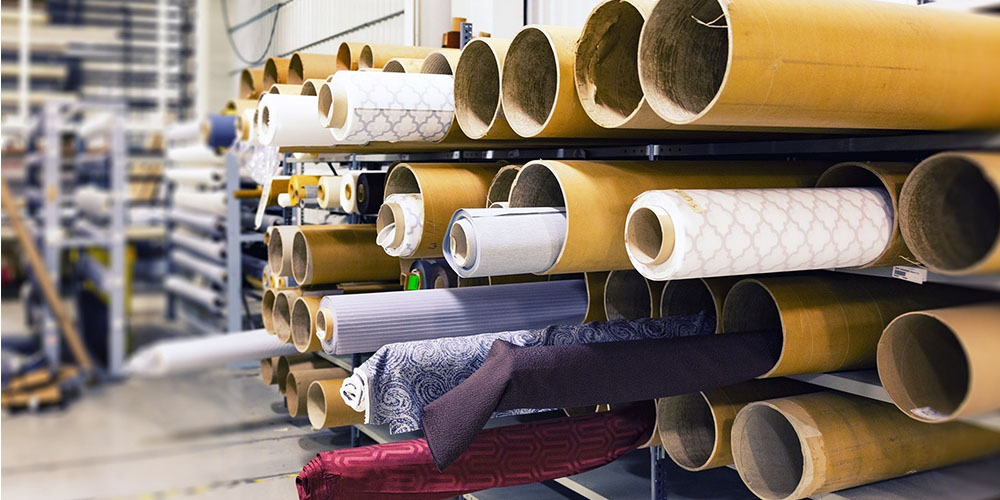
(566, 376)
(502, 456)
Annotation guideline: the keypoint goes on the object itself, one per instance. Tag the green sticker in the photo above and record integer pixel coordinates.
(413, 282)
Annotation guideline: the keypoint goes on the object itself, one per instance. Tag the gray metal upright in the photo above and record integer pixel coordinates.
(234, 247)
(115, 285)
(52, 233)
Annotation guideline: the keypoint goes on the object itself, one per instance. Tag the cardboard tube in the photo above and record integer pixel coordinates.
(375, 55)
(340, 253)
(940, 365)
(302, 66)
(325, 108)
(279, 249)
(889, 176)
(695, 429)
(239, 106)
(441, 62)
(297, 386)
(949, 212)
(267, 309)
(297, 187)
(595, 296)
(627, 295)
(829, 321)
(267, 366)
(499, 191)
(327, 409)
(742, 62)
(686, 297)
(276, 71)
(285, 89)
(312, 86)
(303, 324)
(348, 54)
(251, 83)
(403, 65)
(281, 317)
(801, 446)
(478, 105)
(597, 201)
(295, 363)
(444, 188)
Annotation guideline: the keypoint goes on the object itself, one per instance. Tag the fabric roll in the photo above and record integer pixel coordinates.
(701, 233)
(391, 106)
(199, 244)
(211, 351)
(494, 242)
(93, 200)
(328, 195)
(200, 294)
(188, 131)
(290, 120)
(348, 192)
(566, 376)
(199, 176)
(198, 153)
(401, 236)
(206, 222)
(394, 385)
(449, 312)
(370, 191)
(221, 130)
(503, 456)
(431, 274)
(209, 269)
(202, 201)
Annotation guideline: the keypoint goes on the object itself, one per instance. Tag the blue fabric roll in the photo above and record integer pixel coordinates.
(222, 130)
(433, 272)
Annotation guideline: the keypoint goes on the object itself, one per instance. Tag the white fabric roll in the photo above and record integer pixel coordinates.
(189, 131)
(331, 191)
(192, 262)
(392, 106)
(284, 200)
(748, 231)
(93, 201)
(364, 322)
(212, 351)
(500, 241)
(198, 153)
(201, 201)
(198, 220)
(207, 297)
(290, 120)
(199, 244)
(199, 176)
(401, 237)
(349, 192)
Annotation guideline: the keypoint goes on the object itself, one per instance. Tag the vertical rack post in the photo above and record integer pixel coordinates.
(117, 240)
(51, 231)
(234, 247)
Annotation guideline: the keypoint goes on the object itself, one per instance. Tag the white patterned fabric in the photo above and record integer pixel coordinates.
(394, 385)
(393, 106)
(411, 206)
(728, 232)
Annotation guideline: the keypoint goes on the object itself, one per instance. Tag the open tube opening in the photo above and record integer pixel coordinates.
(275, 249)
(537, 186)
(344, 57)
(686, 297)
(316, 405)
(267, 309)
(923, 367)
(649, 234)
(684, 51)
(393, 66)
(309, 88)
(282, 317)
(265, 120)
(687, 429)
(267, 371)
(367, 58)
(606, 68)
(530, 82)
(626, 296)
(749, 307)
(302, 326)
(247, 87)
(477, 89)
(768, 453)
(301, 260)
(436, 64)
(295, 73)
(324, 102)
(324, 324)
(950, 214)
(270, 73)
(460, 245)
(292, 395)
(500, 187)
(337, 114)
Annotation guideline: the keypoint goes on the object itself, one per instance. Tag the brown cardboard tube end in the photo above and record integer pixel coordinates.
(530, 87)
(326, 408)
(438, 63)
(282, 315)
(649, 232)
(477, 89)
(301, 260)
(627, 296)
(767, 451)
(267, 309)
(303, 324)
(267, 371)
(687, 429)
(324, 324)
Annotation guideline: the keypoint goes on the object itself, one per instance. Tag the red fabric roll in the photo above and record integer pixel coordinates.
(502, 456)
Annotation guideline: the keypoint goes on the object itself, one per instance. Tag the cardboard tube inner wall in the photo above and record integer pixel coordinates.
(303, 324)
(499, 191)
(595, 296)
(800, 446)
(949, 212)
(327, 409)
(285, 89)
(281, 317)
(239, 106)
(279, 249)
(375, 55)
(941, 364)
(744, 62)
(889, 176)
(276, 71)
(312, 86)
(267, 370)
(339, 254)
(687, 297)
(302, 67)
(695, 429)
(267, 309)
(251, 83)
(297, 386)
(444, 188)
(597, 197)
(478, 106)
(441, 62)
(294, 363)
(829, 321)
(403, 65)
(348, 54)
(627, 295)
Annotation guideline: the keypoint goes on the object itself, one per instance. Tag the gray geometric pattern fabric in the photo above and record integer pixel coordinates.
(395, 106)
(412, 207)
(747, 231)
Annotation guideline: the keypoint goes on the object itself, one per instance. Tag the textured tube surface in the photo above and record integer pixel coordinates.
(441, 62)
(340, 254)
(627, 295)
(499, 191)
(801, 446)
(375, 55)
(745, 62)
(448, 312)
(295, 363)
(209, 352)
(275, 71)
(941, 364)
(302, 66)
(297, 386)
(478, 100)
(403, 65)
(326, 408)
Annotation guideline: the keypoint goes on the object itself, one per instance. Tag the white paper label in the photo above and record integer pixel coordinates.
(911, 274)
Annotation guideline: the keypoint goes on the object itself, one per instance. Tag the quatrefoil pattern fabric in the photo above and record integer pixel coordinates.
(395, 107)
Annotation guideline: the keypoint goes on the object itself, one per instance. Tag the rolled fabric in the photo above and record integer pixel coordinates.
(219, 131)
(251, 83)
(802, 446)
(279, 249)
(93, 200)
(370, 192)
(208, 352)
(403, 65)
(197, 153)
(478, 105)
(297, 386)
(695, 429)
(578, 375)
(348, 54)
(206, 222)
(209, 269)
(940, 365)
(346, 321)
(681, 297)
(500, 241)
(702, 63)
(203, 176)
(496, 458)
(375, 55)
(285, 200)
(202, 201)
(289, 120)
(402, 235)
(701, 233)
(326, 408)
(206, 297)
(328, 193)
(303, 66)
(441, 62)
(348, 191)
(628, 295)
(351, 246)
(275, 71)
(433, 274)
(390, 107)
(400, 379)
(181, 132)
